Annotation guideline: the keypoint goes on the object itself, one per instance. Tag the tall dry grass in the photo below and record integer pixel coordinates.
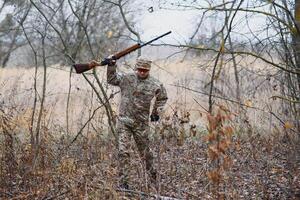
(87, 168)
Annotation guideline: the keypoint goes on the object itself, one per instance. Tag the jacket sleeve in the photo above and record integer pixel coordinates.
(161, 99)
(113, 77)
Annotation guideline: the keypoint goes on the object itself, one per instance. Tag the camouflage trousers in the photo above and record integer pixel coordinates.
(140, 136)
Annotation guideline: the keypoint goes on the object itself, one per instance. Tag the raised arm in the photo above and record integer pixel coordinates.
(113, 77)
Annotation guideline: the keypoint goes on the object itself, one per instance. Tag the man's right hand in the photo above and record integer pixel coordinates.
(111, 61)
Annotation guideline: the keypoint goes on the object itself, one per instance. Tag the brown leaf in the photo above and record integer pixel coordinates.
(109, 34)
(228, 131)
(288, 125)
(214, 176)
(227, 163)
(223, 145)
(212, 124)
(211, 137)
(248, 103)
(213, 152)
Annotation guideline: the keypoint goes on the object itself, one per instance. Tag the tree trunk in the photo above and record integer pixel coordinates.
(296, 38)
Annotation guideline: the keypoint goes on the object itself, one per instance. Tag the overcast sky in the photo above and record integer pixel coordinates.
(153, 21)
(183, 23)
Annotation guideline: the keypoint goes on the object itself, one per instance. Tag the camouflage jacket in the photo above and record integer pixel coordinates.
(137, 95)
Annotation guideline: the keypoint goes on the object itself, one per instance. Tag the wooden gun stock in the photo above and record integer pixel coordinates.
(82, 67)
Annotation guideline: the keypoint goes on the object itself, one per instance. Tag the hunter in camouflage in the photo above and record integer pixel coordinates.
(137, 92)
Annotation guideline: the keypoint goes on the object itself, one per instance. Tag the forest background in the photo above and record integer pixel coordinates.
(232, 122)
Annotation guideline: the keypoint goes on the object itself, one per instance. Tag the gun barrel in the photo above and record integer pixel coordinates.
(163, 35)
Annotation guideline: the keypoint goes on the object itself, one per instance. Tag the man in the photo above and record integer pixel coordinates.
(137, 92)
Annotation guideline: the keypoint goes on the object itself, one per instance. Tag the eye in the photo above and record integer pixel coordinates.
(143, 70)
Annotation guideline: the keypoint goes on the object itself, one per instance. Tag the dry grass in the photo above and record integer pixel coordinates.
(265, 157)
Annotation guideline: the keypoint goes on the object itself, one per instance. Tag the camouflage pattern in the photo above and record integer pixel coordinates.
(134, 110)
(136, 96)
(142, 63)
(140, 135)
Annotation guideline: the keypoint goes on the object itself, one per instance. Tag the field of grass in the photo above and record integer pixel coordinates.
(262, 150)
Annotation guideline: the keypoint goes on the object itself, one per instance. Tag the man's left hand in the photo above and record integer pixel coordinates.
(154, 117)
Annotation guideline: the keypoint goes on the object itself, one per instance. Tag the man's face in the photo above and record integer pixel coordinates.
(142, 73)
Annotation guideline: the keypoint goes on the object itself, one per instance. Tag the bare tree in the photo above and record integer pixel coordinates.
(121, 4)
(10, 31)
(62, 32)
(274, 42)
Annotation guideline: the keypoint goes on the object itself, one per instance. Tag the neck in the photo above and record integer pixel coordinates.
(142, 78)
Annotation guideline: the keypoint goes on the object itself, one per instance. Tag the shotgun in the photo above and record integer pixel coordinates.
(82, 67)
